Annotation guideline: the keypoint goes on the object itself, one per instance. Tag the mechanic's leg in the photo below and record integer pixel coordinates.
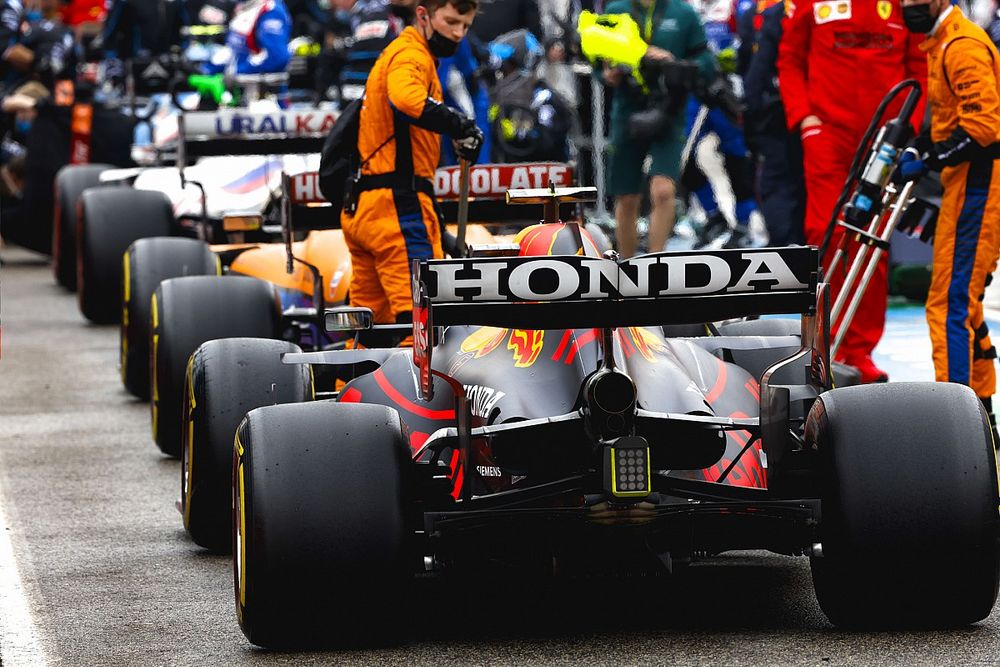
(626, 214)
(663, 198)
(625, 160)
(984, 379)
(663, 175)
(365, 290)
(739, 167)
(415, 234)
(965, 250)
(828, 152)
(696, 183)
(693, 177)
(716, 224)
(775, 204)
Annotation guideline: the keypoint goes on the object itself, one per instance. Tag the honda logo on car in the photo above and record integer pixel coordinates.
(305, 188)
(575, 277)
(482, 399)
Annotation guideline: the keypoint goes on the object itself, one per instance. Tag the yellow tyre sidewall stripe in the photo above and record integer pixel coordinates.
(155, 398)
(127, 291)
(188, 470)
(241, 528)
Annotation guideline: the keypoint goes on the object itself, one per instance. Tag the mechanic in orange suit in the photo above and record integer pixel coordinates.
(395, 221)
(964, 71)
(836, 61)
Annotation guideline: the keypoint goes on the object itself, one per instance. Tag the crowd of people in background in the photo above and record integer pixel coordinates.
(520, 75)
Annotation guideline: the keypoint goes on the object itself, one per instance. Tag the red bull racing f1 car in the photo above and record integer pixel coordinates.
(558, 407)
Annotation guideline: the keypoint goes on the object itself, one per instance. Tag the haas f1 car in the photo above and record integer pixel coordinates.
(549, 412)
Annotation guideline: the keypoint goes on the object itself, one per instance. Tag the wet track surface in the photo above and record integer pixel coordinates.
(110, 577)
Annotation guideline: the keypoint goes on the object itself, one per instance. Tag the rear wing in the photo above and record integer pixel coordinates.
(488, 186)
(578, 292)
(241, 132)
(572, 292)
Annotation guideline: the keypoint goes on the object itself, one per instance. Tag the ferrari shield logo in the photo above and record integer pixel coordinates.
(884, 8)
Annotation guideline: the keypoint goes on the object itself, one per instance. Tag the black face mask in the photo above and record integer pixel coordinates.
(441, 46)
(917, 18)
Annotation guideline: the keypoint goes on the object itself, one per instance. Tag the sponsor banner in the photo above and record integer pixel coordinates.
(304, 188)
(241, 124)
(492, 181)
(578, 278)
(486, 181)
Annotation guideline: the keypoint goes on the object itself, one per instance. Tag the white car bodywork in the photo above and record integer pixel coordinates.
(231, 183)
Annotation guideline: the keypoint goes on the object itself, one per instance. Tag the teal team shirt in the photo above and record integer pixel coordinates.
(672, 25)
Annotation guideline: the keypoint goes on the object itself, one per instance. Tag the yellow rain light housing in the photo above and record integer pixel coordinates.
(627, 468)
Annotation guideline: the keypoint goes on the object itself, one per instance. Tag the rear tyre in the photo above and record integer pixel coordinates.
(187, 312)
(909, 490)
(70, 183)
(322, 553)
(226, 379)
(112, 218)
(145, 264)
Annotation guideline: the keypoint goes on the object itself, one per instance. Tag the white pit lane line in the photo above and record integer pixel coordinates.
(20, 640)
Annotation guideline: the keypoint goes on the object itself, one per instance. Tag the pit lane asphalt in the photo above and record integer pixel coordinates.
(111, 579)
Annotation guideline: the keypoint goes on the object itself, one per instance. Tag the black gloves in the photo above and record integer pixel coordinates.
(959, 147)
(469, 145)
(468, 138)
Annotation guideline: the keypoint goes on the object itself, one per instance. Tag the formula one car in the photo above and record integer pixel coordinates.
(189, 311)
(162, 226)
(546, 418)
(243, 155)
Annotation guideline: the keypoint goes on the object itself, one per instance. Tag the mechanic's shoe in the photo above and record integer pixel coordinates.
(869, 371)
(739, 238)
(715, 226)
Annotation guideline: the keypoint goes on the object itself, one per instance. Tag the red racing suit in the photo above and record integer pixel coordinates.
(837, 59)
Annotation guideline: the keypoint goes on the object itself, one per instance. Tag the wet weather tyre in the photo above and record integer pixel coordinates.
(70, 183)
(909, 499)
(226, 379)
(145, 264)
(111, 219)
(322, 549)
(189, 311)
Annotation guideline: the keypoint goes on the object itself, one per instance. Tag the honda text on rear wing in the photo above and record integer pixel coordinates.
(577, 292)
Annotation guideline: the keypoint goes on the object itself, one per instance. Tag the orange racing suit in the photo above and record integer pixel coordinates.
(964, 73)
(395, 221)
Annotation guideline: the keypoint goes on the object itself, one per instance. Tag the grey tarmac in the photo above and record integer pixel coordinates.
(110, 578)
